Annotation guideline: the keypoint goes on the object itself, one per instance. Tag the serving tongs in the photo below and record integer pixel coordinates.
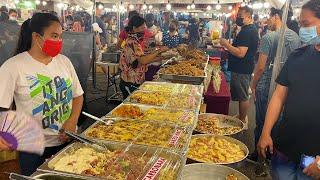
(85, 140)
(15, 176)
(110, 120)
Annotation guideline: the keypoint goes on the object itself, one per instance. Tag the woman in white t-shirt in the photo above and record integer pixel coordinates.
(42, 83)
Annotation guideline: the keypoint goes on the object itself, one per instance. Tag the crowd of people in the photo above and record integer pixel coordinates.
(286, 126)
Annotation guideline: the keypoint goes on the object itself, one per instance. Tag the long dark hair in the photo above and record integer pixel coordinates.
(135, 21)
(38, 23)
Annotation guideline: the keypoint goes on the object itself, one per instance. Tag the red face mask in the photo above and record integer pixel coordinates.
(52, 48)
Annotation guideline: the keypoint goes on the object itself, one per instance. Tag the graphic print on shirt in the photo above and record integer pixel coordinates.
(52, 98)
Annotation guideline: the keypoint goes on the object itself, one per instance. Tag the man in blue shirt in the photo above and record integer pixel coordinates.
(263, 72)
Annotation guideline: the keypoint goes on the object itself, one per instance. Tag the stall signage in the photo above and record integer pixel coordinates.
(174, 139)
(155, 169)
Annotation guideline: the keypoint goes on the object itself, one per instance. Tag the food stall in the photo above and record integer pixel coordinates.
(152, 134)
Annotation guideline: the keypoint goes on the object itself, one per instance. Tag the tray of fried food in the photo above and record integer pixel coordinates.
(206, 171)
(149, 133)
(156, 98)
(151, 113)
(122, 130)
(216, 149)
(184, 68)
(159, 86)
(183, 101)
(218, 124)
(118, 161)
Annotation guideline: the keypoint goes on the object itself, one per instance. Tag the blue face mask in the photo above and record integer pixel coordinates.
(309, 35)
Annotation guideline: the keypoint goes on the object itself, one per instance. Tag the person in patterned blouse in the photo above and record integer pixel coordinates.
(172, 38)
(133, 61)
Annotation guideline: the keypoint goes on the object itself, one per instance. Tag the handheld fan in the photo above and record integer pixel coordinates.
(22, 132)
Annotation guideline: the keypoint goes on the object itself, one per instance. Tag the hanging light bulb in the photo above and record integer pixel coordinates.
(209, 8)
(144, 7)
(266, 5)
(37, 2)
(60, 5)
(218, 6)
(100, 6)
(230, 7)
(150, 6)
(131, 6)
(16, 1)
(168, 6)
(193, 6)
(188, 7)
(243, 3)
(44, 3)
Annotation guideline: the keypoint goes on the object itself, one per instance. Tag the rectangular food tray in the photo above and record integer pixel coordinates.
(145, 107)
(156, 153)
(187, 131)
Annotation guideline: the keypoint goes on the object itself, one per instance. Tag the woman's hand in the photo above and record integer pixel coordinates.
(4, 145)
(312, 170)
(69, 126)
(265, 143)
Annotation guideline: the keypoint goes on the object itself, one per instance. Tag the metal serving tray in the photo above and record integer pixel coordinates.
(144, 107)
(195, 101)
(224, 121)
(243, 147)
(206, 171)
(169, 160)
(176, 88)
(177, 142)
(195, 80)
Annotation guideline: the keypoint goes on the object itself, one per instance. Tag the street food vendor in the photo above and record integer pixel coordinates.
(42, 83)
(133, 62)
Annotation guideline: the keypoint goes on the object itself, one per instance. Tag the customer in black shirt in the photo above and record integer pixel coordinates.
(297, 93)
(241, 59)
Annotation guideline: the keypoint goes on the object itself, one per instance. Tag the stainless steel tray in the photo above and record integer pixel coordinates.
(243, 147)
(144, 107)
(195, 103)
(172, 160)
(195, 80)
(205, 171)
(224, 121)
(176, 88)
(177, 142)
(57, 176)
